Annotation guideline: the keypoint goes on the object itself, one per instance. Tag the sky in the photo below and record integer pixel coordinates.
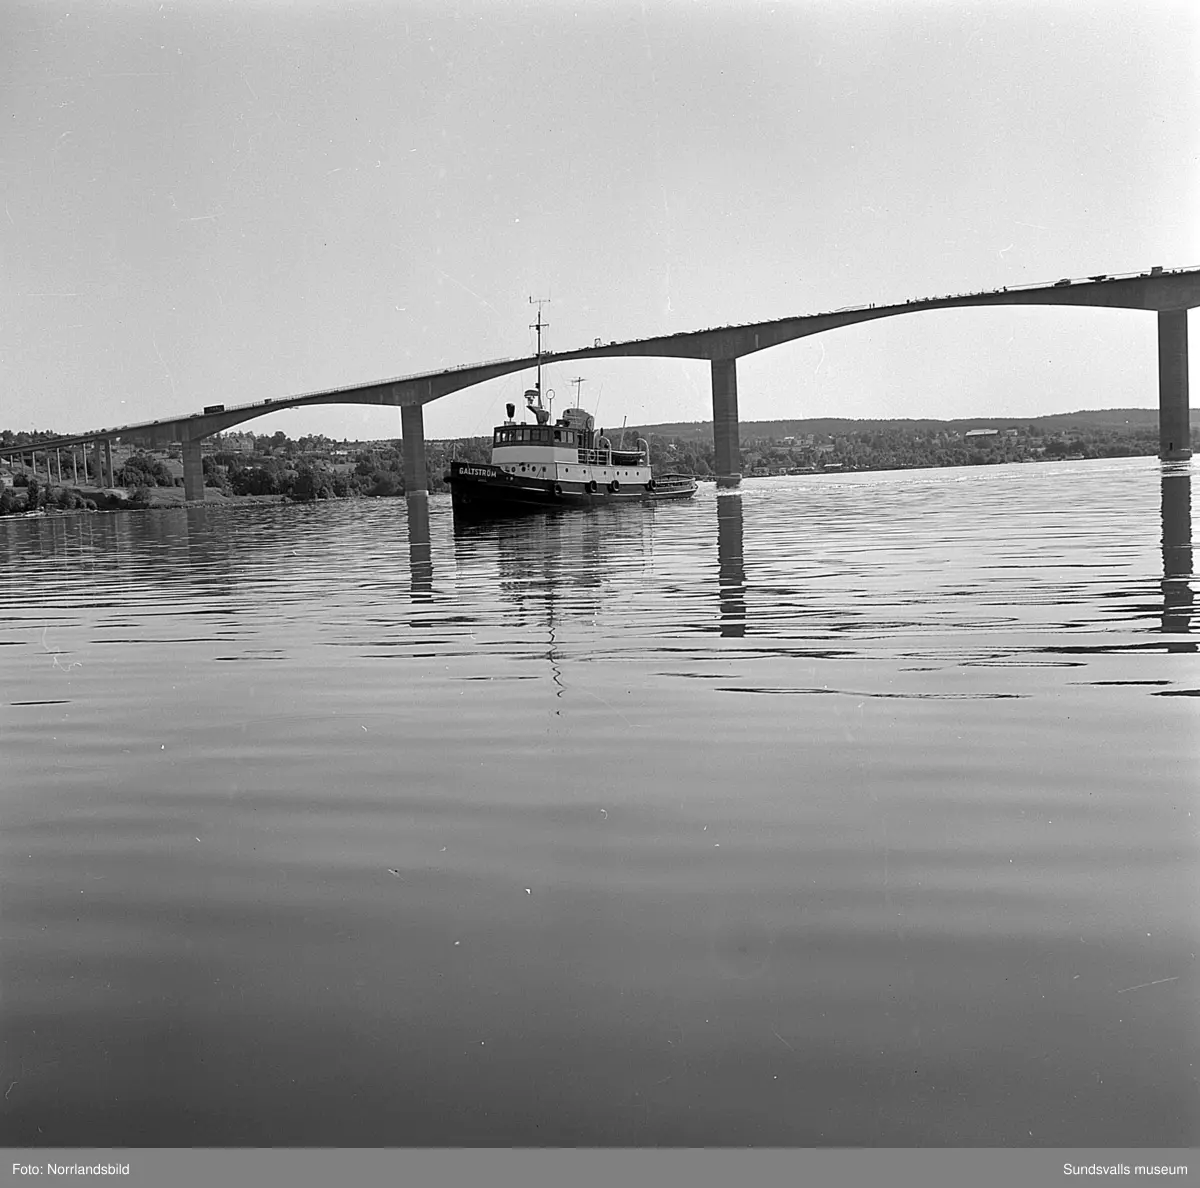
(219, 202)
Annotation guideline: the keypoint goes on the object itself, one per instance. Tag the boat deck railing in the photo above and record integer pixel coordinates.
(605, 455)
(611, 457)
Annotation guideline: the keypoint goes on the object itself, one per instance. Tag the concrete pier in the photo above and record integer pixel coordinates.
(110, 474)
(193, 469)
(412, 448)
(98, 462)
(725, 422)
(1174, 427)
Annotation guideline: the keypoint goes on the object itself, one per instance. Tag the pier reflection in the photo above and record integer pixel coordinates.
(1178, 596)
(582, 557)
(731, 566)
(420, 553)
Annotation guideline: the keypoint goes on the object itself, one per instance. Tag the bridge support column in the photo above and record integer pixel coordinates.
(1174, 424)
(98, 462)
(108, 463)
(193, 470)
(412, 448)
(725, 422)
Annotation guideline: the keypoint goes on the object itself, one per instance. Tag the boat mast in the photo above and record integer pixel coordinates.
(538, 326)
(578, 382)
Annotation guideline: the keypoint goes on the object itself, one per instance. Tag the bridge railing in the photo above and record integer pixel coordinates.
(399, 379)
(864, 308)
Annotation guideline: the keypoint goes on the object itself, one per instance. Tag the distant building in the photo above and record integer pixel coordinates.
(235, 443)
(982, 433)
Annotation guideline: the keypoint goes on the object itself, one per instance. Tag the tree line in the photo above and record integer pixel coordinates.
(317, 467)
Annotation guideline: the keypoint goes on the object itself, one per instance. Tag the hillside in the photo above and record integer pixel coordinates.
(1084, 420)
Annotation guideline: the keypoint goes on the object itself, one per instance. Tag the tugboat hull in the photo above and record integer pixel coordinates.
(480, 490)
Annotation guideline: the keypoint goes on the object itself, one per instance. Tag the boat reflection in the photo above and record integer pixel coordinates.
(582, 559)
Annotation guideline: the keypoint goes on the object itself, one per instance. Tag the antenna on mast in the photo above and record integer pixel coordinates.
(578, 382)
(539, 326)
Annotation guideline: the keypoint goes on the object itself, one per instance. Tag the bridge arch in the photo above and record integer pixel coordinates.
(1168, 294)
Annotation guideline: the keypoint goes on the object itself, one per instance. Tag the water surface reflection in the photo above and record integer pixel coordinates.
(1178, 596)
(731, 573)
(331, 825)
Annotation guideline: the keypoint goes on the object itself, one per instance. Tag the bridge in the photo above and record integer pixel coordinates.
(1169, 293)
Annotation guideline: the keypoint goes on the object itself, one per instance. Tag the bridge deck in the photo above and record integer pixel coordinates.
(1154, 290)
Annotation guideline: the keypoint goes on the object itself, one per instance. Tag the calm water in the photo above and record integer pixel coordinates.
(851, 810)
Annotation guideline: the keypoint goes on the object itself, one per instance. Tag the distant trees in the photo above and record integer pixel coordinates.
(685, 455)
(316, 467)
(263, 479)
(143, 470)
(33, 495)
(22, 437)
(312, 482)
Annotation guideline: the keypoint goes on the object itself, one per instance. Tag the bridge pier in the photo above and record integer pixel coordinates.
(108, 463)
(1174, 422)
(98, 462)
(725, 422)
(412, 449)
(193, 469)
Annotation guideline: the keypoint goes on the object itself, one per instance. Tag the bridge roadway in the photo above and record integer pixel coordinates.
(1168, 292)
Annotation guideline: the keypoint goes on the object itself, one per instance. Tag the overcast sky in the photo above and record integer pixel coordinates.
(219, 202)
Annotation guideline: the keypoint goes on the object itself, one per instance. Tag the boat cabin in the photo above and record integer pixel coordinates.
(573, 429)
(571, 439)
(539, 435)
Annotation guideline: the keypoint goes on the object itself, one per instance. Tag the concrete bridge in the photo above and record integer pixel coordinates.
(1169, 293)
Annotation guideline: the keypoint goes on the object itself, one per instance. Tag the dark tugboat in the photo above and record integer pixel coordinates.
(564, 464)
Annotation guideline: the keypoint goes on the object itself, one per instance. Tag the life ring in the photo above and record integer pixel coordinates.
(650, 485)
(558, 490)
(592, 487)
(614, 486)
